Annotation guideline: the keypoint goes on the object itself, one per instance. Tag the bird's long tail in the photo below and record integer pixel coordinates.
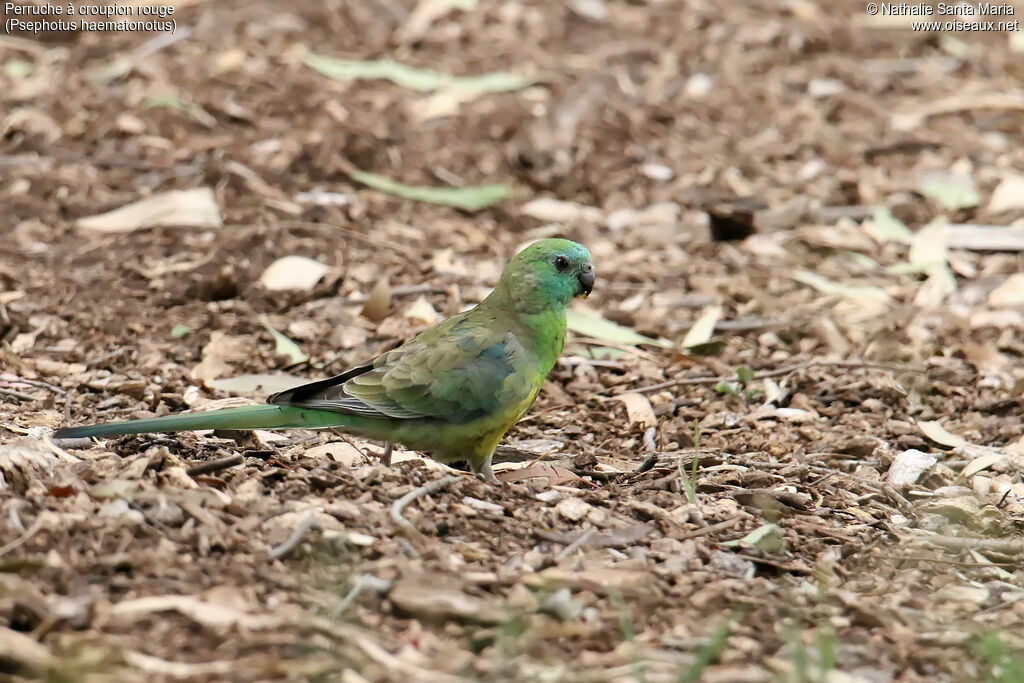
(245, 417)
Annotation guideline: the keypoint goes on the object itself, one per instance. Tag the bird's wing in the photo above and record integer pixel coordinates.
(457, 371)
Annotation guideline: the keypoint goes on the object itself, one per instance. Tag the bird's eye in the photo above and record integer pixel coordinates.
(561, 263)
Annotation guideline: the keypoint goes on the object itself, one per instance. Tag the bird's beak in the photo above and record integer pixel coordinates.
(586, 280)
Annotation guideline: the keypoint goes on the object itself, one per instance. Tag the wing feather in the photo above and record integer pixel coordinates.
(456, 371)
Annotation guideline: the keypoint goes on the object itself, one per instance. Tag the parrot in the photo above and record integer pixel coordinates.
(452, 391)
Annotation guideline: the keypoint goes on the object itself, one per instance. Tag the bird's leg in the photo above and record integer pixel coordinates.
(385, 457)
(484, 471)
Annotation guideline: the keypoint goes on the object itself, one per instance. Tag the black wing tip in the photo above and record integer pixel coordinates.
(297, 396)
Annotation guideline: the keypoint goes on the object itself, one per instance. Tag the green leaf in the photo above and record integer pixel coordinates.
(953, 190)
(730, 388)
(468, 198)
(18, 68)
(179, 331)
(596, 327)
(745, 374)
(286, 347)
(861, 260)
(171, 102)
(767, 537)
(422, 80)
(826, 286)
(890, 228)
(929, 246)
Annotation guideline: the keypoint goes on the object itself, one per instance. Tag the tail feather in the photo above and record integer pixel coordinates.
(246, 417)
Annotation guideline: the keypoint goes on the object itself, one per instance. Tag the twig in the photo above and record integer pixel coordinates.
(774, 563)
(942, 560)
(307, 525)
(36, 526)
(215, 465)
(575, 545)
(982, 545)
(425, 490)
(385, 457)
(17, 394)
(39, 383)
(364, 582)
(710, 529)
(15, 518)
(850, 364)
(1017, 597)
(105, 357)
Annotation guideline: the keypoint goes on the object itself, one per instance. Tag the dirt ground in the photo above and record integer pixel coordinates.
(832, 491)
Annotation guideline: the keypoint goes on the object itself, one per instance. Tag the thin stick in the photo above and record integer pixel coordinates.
(425, 490)
(307, 525)
(940, 560)
(720, 526)
(105, 357)
(39, 383)
(215, 465)
(364, 582)
(16, 394)
(982, 545)
(850, 364)
(575, 545)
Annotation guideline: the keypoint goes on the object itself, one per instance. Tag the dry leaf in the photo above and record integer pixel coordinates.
(255, 384)
(421, 311)
(293, 272)
(908, 467)
(1010, 293)
(572, 508)
(422, 597)
(377, 306)
(28, 654)
(558, 211)
(196, 208)
(1008, 195)
(937, 433)
(638, 409)
(553, 473)
(425, 14)
(982, 462)
(928, 247)
(703, 328)
(218, 353)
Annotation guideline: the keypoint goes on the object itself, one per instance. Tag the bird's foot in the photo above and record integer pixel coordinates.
(385, 457)
(486, 474)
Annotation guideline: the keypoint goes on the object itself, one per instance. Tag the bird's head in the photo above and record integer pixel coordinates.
(548, 275)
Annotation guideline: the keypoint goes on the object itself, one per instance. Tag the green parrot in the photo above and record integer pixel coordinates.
(452, 391)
